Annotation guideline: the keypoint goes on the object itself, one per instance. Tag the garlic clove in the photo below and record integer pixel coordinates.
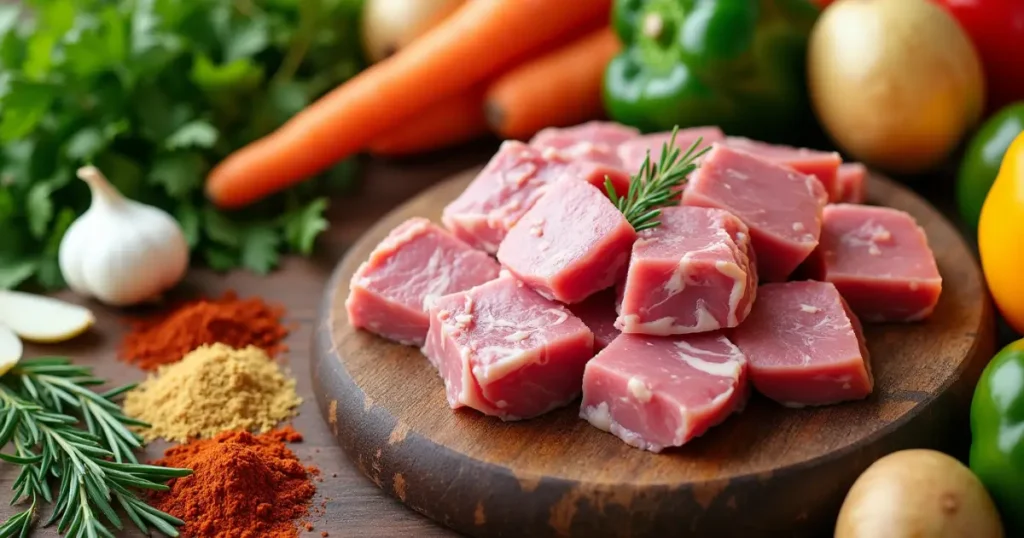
(10, 349)
(43, 319)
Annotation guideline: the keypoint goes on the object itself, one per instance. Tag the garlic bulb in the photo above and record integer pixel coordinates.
(120, 251)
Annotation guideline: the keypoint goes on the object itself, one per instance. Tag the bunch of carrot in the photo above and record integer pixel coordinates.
(509, 66)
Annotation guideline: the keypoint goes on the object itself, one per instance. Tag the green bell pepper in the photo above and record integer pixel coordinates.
(737, 64)
(997, 434)
(982, 158)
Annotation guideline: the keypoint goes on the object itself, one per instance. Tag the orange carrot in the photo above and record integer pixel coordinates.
(453, 121)
(479, 40)
(560, 88)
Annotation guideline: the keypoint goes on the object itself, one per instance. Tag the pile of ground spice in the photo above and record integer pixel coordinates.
(229, 320)
(242, 486)
(213, 389)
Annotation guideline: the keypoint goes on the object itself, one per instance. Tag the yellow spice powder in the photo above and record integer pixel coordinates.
(212, 389)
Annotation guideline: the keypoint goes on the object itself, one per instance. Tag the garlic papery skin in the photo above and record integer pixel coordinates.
(119, 251)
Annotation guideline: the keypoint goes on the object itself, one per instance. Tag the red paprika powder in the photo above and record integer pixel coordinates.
(242, 486)
(229, 320)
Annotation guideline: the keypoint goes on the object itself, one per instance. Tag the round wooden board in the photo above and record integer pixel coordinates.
(768, 471)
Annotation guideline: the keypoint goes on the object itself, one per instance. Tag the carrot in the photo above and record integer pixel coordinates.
(478, 41)
(557, 89)
(453, 121)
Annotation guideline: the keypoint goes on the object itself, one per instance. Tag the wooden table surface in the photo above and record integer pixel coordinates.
(355, 507)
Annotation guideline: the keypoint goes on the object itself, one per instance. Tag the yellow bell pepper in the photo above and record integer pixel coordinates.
(1001, 236)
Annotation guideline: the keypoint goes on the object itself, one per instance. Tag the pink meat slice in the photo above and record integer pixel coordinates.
(880, 261)
(633, 152)
(505, 351)
(823, 165)
(851, 187)
(593, 140)
(655, 393)
(570, 245)
(417, 262)
(598, 313)
(805, 346)
(693, 273)
(781, 207)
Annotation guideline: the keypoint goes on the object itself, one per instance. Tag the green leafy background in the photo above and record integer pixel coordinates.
(155, 92)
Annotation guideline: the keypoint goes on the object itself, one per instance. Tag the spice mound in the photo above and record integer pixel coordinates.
(242, 486)
(212, 389)
(228, 320)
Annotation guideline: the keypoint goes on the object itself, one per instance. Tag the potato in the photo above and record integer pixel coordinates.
(918, 494)
(895, 83)
(390, 25)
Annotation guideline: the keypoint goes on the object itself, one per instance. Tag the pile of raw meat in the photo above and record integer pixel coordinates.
(757, 278)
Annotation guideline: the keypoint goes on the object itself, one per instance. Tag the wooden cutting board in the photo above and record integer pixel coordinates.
(768, 471)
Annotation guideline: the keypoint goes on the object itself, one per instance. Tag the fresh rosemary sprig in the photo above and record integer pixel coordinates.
(654, 186)
(94, 466)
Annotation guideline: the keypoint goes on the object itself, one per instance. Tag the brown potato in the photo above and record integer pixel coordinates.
(895, 83)
(918, 494)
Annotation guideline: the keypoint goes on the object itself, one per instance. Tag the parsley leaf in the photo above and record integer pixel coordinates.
(260, 249)
(302, 226)
(196, 133)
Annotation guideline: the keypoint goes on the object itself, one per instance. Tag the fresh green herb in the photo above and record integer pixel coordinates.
(43, 404)
(154, 93)
(654, 186)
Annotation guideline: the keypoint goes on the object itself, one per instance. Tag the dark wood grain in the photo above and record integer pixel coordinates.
(769, 471)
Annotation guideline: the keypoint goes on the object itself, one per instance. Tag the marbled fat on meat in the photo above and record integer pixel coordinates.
(823, 165)
(781, 207)
(693, 273)
(598, 313)
(851, 184)
(805, 346)
(570, 245)
(505, 351)
(655, 393)
(880, 261)
(593, 141)
(417, 262)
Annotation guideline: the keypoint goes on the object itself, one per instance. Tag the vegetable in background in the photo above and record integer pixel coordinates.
(738, 64)
(153, 92)
(996, 27)
(454, 121)
(389, 25)
(918, 494)
(982, 158)
(1001, 236)
(895, 83)
(478, 41)
(558, 89)
(997, 433)
(38, 318)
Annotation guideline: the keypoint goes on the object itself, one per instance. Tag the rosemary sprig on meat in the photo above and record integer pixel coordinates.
(655, 185)
(43, 405)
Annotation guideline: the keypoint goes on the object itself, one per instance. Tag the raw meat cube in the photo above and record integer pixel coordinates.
(656, 392)
(505, 189)
(593, 140)
(805, 346)
(505, 351)
(880, 261)
(633, 152)
(691, 274)
(570, 245)
(595, 173)
(823, 165)
(598, 313)
(416, 263)
(781, 207)
(850, 184)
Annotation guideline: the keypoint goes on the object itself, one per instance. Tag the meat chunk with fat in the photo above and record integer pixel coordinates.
(823, 165)
(633, 152)
(851, 184)
(505, 351)
(570, 245)
(418, 261)
(655, 393)
(598, 313)
(593, 141)
(781, 207)
(805, 345)
(693, 273)
(880, 261)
